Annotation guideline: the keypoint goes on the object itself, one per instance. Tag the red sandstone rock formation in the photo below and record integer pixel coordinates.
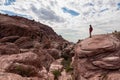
(22, 27)
(97, 58)
(24, 48)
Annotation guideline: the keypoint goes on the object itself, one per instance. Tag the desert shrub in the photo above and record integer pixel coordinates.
(56, 73)
(116, 34)
(104, 76)
(65, 56)
(68, 52)
(67, 66)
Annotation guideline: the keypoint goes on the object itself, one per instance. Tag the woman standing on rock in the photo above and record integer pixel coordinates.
(90, 30)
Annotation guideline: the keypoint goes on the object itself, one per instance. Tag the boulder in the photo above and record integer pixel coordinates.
(54, 53)
(23, 70)
(28, 58)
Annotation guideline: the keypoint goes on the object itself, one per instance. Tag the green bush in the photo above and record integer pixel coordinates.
(56, 73)
(68, 69)
(65, 56)
(66, 64)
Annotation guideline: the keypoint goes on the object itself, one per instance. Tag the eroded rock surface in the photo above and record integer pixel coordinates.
(97, 58)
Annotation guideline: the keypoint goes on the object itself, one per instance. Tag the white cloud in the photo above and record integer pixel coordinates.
(102, 14)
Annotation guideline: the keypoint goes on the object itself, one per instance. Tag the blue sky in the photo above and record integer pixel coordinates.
(9, 2)
(70, 11)
(69, 18)
(118, 5)
(14, 14)
(104, 10)
(89, 4)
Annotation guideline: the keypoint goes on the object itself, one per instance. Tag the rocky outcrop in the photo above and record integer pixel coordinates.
(27, 49)
(22, 27)
(97, 58)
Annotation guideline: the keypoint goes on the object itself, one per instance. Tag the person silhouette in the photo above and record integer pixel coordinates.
(90, 30)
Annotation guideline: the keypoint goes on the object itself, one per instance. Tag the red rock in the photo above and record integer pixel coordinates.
(26, 58)
(95, 56)
(113, 76)
(18, 26)
(8, 48)
(23, 70)
(9, 39)
(54, 53)
(27, 53)
(10, 76)
(108, 63)
(24, 42)
(44, 58)
(96, 45)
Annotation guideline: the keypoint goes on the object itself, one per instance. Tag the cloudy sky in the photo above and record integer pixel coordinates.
(69, 18)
